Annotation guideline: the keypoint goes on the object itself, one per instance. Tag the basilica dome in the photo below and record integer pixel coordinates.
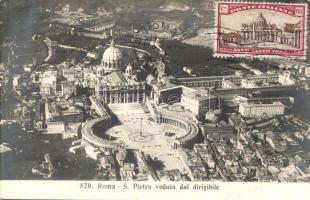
(112, 58)
(261, 22)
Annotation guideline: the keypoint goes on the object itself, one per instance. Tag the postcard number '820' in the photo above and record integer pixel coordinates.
(86, 186)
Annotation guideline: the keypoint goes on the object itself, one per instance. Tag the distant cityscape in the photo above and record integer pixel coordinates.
(120, 94)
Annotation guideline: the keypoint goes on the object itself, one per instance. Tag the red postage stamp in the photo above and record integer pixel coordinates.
(260, 30)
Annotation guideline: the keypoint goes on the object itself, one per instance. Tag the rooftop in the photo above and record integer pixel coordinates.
(117, 77)
(260, 105)
(4, 148)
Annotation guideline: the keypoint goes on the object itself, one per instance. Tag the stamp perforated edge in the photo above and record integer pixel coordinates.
(223, 55)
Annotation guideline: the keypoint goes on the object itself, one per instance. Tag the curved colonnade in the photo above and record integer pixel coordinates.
(88, 133)
(104, 122)
(190, 127)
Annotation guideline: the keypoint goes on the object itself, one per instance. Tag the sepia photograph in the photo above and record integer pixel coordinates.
(174, 95)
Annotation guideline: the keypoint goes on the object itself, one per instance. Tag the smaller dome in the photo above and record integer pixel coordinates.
(100, 71)
(129, 70)
(129, 67)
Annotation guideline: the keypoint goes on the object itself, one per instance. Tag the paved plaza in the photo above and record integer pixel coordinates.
(137, 131)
